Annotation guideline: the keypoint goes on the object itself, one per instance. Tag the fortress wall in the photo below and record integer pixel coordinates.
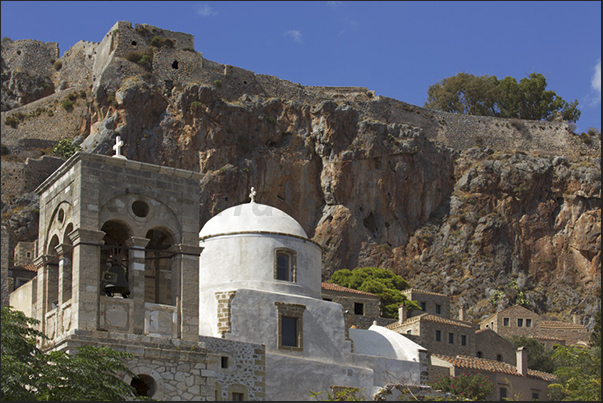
(19, 177)
(32, 56)
(77, 65)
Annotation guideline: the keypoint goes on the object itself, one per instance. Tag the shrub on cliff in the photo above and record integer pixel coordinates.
(65, 148)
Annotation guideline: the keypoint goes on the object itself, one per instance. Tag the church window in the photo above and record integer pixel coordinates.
(290, 326)
(451, 338)
(358, 308)
(237, 397)
(224, 363)
(285, 265)
(463, 340)
(438, 309)
(438, 335)
(289, 331)
(424, 306)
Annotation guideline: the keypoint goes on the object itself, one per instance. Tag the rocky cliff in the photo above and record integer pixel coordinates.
(486, 210)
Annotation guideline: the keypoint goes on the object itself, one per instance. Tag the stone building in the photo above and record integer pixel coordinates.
(430, 302)
(232, 312)
(118, 265)
(260, 282)
(520, 321)
(512, 382)
(361, 308)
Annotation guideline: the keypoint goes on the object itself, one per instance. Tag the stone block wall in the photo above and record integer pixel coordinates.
(179, 370)
(371, 307)
(24, 253)
(30, 55)
(241, 368)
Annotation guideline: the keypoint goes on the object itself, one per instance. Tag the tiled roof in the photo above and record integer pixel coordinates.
(430, 318)
(27, 267)
(484, 364)
(418, 291)
(337, 287)
(555, 324)
(547, 338)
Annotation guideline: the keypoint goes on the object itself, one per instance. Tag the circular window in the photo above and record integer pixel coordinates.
(140, 208)
(61, 215)
(144, 384)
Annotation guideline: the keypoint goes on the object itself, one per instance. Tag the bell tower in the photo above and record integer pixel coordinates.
(118, 249)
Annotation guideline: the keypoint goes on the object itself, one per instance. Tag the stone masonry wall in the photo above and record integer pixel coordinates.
(29, 55)
(181, 370)
(245, 367)
(371, 305)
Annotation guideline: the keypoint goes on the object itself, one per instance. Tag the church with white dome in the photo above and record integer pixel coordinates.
(260, 282)
(229, 311)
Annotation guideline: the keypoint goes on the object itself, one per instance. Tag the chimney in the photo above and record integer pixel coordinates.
(462, 314)
(522, 361)
(402, 314)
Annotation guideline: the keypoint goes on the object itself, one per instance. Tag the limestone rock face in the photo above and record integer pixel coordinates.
(445, 201)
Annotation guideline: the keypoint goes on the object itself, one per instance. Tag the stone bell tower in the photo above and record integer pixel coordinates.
(118, 249)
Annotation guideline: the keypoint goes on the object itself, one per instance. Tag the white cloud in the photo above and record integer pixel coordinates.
(296, 35)
(204, 10)
(595, 83)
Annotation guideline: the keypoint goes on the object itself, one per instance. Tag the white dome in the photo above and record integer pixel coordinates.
(252, 217)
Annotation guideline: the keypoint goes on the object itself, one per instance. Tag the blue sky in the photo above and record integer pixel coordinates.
(395, 48)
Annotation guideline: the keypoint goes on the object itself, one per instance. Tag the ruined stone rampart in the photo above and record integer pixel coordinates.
(19, 177)
(29, 55)
(76, 65)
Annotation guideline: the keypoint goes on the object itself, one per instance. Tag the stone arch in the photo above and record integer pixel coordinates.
(143, 372)
(141, 213)
(66, 264)
(158, 266)
(60, 219)
(114, 250)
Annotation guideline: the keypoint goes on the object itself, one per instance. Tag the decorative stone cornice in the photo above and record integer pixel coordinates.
(86, 236)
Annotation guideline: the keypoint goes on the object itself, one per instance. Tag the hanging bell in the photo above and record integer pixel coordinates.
(117, 281)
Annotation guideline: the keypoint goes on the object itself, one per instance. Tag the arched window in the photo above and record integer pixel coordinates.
(285, 264)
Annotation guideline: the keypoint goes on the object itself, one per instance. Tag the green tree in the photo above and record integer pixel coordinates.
(465, 386)
(540, 358)
(65, 148)
(595, 336)
(506, 98)
(578, 374)
(464, 93)
(94, 373)
(381, 282)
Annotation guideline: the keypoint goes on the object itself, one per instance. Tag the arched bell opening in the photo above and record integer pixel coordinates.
(115, 260)
(66, 265)
(52, 274)
(158, 267)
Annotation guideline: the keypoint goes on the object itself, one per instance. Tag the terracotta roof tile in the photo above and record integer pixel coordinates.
(418, 291)
(483, 364)
(337, 287)
(430, 318)
(556, 324)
